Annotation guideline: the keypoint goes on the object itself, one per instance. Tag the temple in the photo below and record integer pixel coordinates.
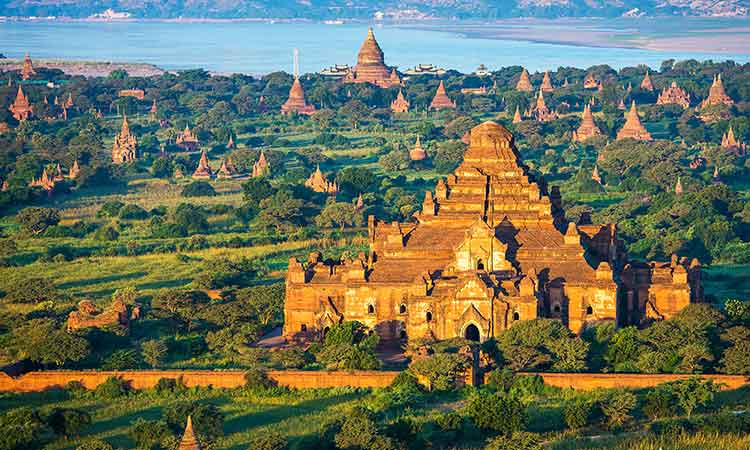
(296, 102)
(517, 116)
(678, 187)
(731, 143)
(187, 140)
(646, 83)
(189, 441)
(227, 170)
(125, 145)
(417, 153)
(633, 127)
(588, 128)
(74, 171)
(441, 99)
(154, 110)
(546, 83)
(674, 95)
(596, 176)
(489, 248)
(524, 84)
(590, 82)
(717, 95)
(371, 66)
(400, 104)
(45, 182)
(203, 171)
(230, 143)
(541, 111)
(261, 167)
(318, 183)
(21, 107)
(87, 315)
(27, 70)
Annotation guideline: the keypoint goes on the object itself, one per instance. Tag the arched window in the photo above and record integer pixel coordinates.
(589, 310)
(480, 264)
(556, 308)
(370, 309)
(472, 333)
(402, 309)
(428, 316)
(303, 328)
(516, 316)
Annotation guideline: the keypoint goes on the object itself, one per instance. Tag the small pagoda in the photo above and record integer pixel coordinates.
(189, 441)
(68, 102)
(21, 107)
(547, 83)
(227, 170)
(646, 83)
(541, 111)
(418, 153)
(678, 187)
(400, 104)
(58, 174)
(296, 102)
(45, 182)
(261, 167)
(318, 183)
(125, 144)
(154, 110)
(27, 71)
(524, 84)
(731, 143)
(517, 116)
(187, 140)
(74, 171)
(588, 128)
(441, 99)
(717, 95)
(633, 127)
(590, 82)
(674, 95)
(595, 175)
(370, 67)
(203, 171)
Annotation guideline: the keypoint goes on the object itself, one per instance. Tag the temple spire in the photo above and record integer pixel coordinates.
(646, 84)
(441, 99)
(189, 441)
(633, 127)
(524, 84)
(547, 83)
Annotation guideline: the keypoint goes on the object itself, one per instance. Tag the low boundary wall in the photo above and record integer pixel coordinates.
(143, 379)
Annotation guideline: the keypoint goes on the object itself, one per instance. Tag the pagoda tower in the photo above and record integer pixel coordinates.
(153, 110)
(633, 127)
(227, 170)
(21, 108)
(45, 181)
(588, 128)
(69, 102)
(27, 71)
(441, 99)
(296, 102)
(595, 175)
(621, 105)
(203, 171)
(678, 187)
(370, 67)
(74, 171)
(360, 204)
(261, 167)
(547, 83)
(417, 153)
(541, 111)
(230, 143)
(58, 173)
(646, 84)
(524, 84)
(517, 116)
(189, 441)
(187, 140)
(731, 143)
(318, 183)
(400, 104)
(674, 95)
(717, 95)
(124, 146)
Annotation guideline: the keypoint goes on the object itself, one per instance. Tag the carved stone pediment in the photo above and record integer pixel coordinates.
(481, 250)
(472, 315)
(328, 315)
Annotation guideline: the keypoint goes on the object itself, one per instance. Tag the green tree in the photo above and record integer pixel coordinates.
(95, 444)
(255, 190)
(36, 220)
(693, 393)
(348, 346)
(31, 290)
(617, 408)
(184, 307)
(500, 413)
(441, 371)
(43, 341)
(161, 167)
(341, 214)
(22, 429)
(192, 219)
(68, 422)
(280, 211)
(208, 420)
(154, 352)
(198, 189)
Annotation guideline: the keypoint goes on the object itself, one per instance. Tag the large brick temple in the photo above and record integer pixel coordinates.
(489, 247)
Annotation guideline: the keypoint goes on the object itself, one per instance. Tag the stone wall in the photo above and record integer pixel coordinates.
(39, 381)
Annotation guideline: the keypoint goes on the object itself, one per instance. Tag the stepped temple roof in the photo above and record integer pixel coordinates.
(318, 183)
(541, 111)
(524, 84)
(441, 99)
(370, 67)
(717, 95)
(27, 71)
(227, 170)
(588, 128)
(547, 83)
(646, 84)
(203, 171)
(187, 140)
(730, 142)
(125, 144)
(400, 104)
(633, 127)
(261, 167)
(296, 102)
(21, 107)
(674, 95)
(417, 153)
(45, 182)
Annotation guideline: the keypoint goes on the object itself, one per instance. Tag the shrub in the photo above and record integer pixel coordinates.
(95, 444)
(659, 403)
(617, 408)
(292, 358)
(106, 234)
(148, 433)
(451, 421)
(198, 189)
(22, 428)
(110, 209)
(440, 371)
(501, 379)
(76, 389)
(132, 212)
(31, 290)
(153, 352)
(269, 440)
(170, 385)
(692, 393)
(36, 220)
(257, 380)
(501, 413)
(112, 388)
(516, 441)
(68, 422)
(121, 360)
(578, 412)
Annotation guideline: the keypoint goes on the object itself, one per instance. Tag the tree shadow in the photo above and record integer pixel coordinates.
(101, 280)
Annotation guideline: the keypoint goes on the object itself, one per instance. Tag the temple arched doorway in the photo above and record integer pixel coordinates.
(480, 264)
(472, 333)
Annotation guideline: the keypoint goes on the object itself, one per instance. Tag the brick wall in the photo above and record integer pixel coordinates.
(39, 381)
